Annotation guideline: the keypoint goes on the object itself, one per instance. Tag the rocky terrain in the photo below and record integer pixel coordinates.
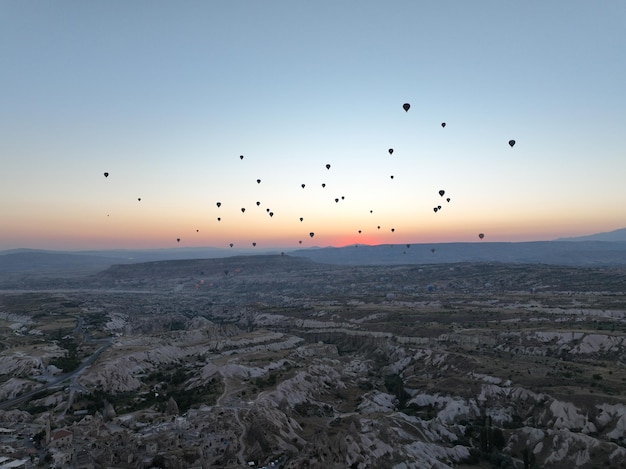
(276, 361)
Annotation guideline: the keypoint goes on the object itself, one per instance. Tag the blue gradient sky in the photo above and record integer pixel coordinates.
(165, 96)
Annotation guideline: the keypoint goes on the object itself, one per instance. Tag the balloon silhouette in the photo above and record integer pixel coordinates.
(219, 219)
(300, 242)
(258, 203)
(271, 214)
(448, 199)
(254, 244)
(219, 204)
(106, 175)
(243, 210)
(303, 186)
(138, 199)
(390, 151)
(178, 240)
(231, 245)
(441, 192)
(443, 124)
(327, 166)
(241, 157)
(311, 234)
(323, 185)
(359, 231)
(301, 218)
(393, 230)
(258, 181)
(481, 235)
(435, 209)
(511, 142)
(336, 200)
(406, 107)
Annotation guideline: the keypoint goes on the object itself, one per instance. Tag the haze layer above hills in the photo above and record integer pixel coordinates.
(594, 250)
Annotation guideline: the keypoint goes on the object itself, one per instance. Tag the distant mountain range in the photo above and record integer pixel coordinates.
(595, 250)
(616, 236)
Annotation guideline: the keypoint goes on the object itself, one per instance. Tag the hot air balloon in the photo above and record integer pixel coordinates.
(219, 204)
(178, 240)
(441, 192)
(219, 219)
(359, 231)
(300, 242)
(253, 244)
(481, 235)
(231, 245)
(435, 209)
(241, 157)
(106, 175)
(406, 107)
(443, 124)
(336, 200)
(390, 151)
(258, 181)
(323, 185)
(243, 209)
(271, 214)
(392, 176)
(327, 166)
(408, 245)
(343, 197)
(258, 204)
(311, 234)
(138, 199)
(393, 230)
(448, 199)
(378, 227)
(267, 210)
(301, 219)
(511, 142)
(303, 185)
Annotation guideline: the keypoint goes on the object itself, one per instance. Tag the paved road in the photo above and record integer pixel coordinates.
(64, 377)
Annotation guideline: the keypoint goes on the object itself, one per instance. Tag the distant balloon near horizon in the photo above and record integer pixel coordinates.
(253, 244)
(106, 175)
(311, 234)
(481, 235)
(231, 245)
(511, 143)
(406, 107)
(178, 240)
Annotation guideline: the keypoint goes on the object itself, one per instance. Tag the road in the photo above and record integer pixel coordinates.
(64, 377)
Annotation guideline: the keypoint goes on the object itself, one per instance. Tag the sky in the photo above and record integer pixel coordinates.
(167, 96)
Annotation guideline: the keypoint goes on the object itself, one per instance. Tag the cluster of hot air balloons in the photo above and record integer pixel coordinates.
(390, 151)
